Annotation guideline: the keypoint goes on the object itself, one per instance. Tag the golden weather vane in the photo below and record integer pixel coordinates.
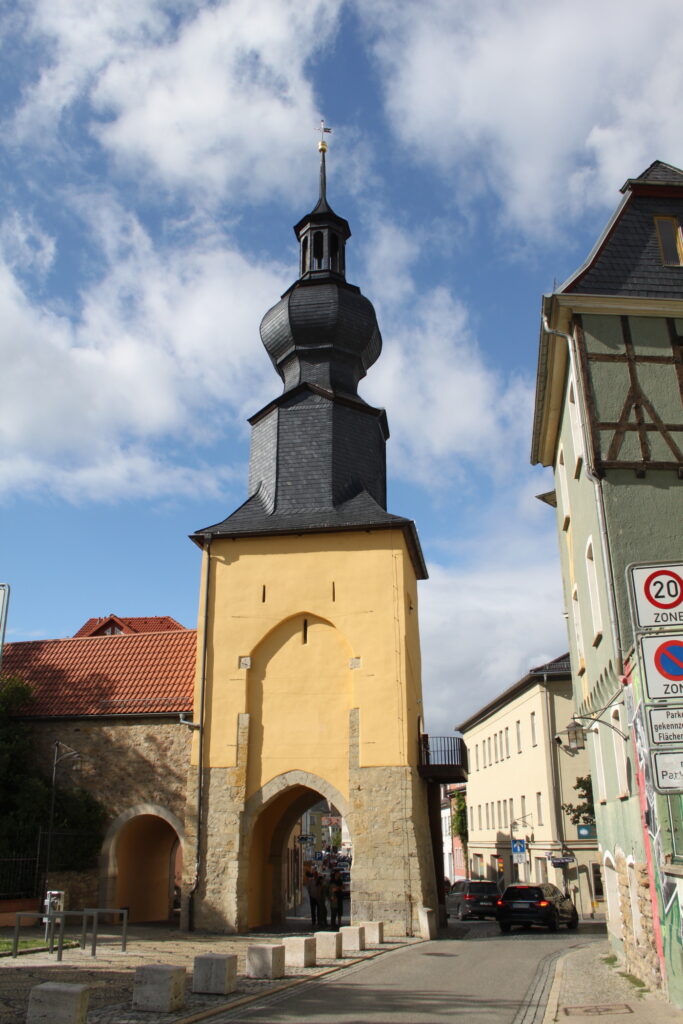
(323, 129)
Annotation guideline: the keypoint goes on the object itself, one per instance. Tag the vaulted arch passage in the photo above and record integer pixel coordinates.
(148, 858)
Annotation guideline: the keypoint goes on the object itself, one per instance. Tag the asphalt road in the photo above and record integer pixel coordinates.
(481, 976)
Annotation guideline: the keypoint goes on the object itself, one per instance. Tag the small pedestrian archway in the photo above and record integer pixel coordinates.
(143, 860)
(270, 817)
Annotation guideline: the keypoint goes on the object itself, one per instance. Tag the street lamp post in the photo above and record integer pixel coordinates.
(69, 754)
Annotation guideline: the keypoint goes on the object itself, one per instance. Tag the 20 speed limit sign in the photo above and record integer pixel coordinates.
(657, 594)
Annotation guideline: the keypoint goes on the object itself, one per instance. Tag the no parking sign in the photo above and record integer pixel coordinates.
(663, 664)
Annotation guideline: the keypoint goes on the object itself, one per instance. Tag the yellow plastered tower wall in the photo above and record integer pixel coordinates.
(308, 676)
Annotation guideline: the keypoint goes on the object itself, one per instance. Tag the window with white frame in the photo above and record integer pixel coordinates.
(593, 593)
(479, 814)
(507, 741)
(564, 490)
(532, 718)
(539, 808)
(578, 631)
(476, 755)
(495, 746)
(575, 424)
(518, 726)
(599, 764)
(619, 747)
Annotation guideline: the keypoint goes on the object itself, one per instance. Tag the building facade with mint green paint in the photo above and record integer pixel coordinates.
(609, 420)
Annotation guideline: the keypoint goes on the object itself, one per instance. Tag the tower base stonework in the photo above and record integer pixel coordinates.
(243, 860)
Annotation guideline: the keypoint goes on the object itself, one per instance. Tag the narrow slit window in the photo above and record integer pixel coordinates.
(304, 255)
(670, 245)
(593, 593)
(334, 252)
(304, 632)
(334, 591)
(263, 593)
(564, 491)
(318, 250)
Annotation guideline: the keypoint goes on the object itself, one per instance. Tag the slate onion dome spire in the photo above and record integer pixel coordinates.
(322, 331)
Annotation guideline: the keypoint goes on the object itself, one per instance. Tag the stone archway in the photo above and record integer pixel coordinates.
(140, 857)
(270, 816)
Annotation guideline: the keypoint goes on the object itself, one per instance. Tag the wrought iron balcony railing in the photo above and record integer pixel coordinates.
(443, 758)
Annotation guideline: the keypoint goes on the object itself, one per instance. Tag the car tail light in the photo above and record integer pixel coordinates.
(499, 903)
(542, 903)
(468, 897)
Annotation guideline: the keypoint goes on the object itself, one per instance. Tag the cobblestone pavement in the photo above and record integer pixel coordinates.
(110, 974)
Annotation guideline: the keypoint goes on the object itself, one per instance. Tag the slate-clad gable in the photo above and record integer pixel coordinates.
(627, 260)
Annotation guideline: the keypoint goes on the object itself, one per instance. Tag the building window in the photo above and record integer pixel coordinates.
(670, 246)
(578, 632)
(476, 755)
(499, 813)
(489, 750)
(539, 808)
(564, 490)
(523, 805)
(541, 869)
(488, 815)
(599, 764)
(505, 814)
(532, 717)
(507, 741)
(518, 726)
(483, 753)
(619, 756)
(495, 746)
(575, 424)
(593, 593)
(318, 250)
(512, 809)
(479, 814)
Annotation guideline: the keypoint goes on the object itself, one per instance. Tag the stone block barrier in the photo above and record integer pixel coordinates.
(300, 951)
(328, 945)
(353, 938)
(215, 973)
(427, 919)
(374, 932)
(159, 987)
(56, 1002)
(265, 961)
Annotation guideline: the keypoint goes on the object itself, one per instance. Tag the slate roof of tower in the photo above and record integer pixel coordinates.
(626, 259)
(121, 674)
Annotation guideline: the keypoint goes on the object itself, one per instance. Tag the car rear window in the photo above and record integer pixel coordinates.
(522, 892)
(483, 887)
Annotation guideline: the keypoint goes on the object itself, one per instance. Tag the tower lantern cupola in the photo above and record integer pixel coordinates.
(322, 235)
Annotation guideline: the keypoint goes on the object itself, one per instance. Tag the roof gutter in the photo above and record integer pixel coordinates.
(595, 480)
(200, 752)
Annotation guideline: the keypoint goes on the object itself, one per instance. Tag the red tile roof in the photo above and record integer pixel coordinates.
(151, 624)
(124, 674)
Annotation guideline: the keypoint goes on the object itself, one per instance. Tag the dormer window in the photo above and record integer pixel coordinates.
(670, 242)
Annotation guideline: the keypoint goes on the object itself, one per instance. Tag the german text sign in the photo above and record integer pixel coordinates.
(666, 726)
(657, 592)
(667, 770)
(663, 665)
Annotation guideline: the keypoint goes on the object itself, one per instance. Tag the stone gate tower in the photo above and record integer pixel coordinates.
(308, 679)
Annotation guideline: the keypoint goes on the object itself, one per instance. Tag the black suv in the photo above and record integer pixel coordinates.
(472, 898)
(542, 904)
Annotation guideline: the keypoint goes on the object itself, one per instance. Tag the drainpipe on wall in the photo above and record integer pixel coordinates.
(200, 753)
(597, 485)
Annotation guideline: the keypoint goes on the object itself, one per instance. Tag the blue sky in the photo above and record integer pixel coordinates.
(154, 158)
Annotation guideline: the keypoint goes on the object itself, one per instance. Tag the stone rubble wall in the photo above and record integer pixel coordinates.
(640, 952)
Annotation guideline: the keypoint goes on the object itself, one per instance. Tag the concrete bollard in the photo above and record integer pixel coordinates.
(328, 945)
(353, 938)
(265, 961)
(427, 919)
(57, 1002)
(159, 987)
(300, 951)
(215, 973)
(374, 932)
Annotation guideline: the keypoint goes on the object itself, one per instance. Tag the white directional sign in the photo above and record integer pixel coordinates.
(666, 726)
(662, 656)
(657, 595)
(667, 770)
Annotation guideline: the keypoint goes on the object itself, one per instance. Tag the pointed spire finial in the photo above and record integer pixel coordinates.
(322, 149)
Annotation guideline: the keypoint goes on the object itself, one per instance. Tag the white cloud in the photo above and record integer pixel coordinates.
(486, 622)
(26, 246)
(548, 106)
(164, 346)
(214, 99)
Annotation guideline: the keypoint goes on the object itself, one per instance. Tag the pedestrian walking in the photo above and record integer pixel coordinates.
(313, 888)
(336, 901)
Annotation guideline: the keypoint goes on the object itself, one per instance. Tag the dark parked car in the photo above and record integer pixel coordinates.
(472, 898)
(542, 904)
